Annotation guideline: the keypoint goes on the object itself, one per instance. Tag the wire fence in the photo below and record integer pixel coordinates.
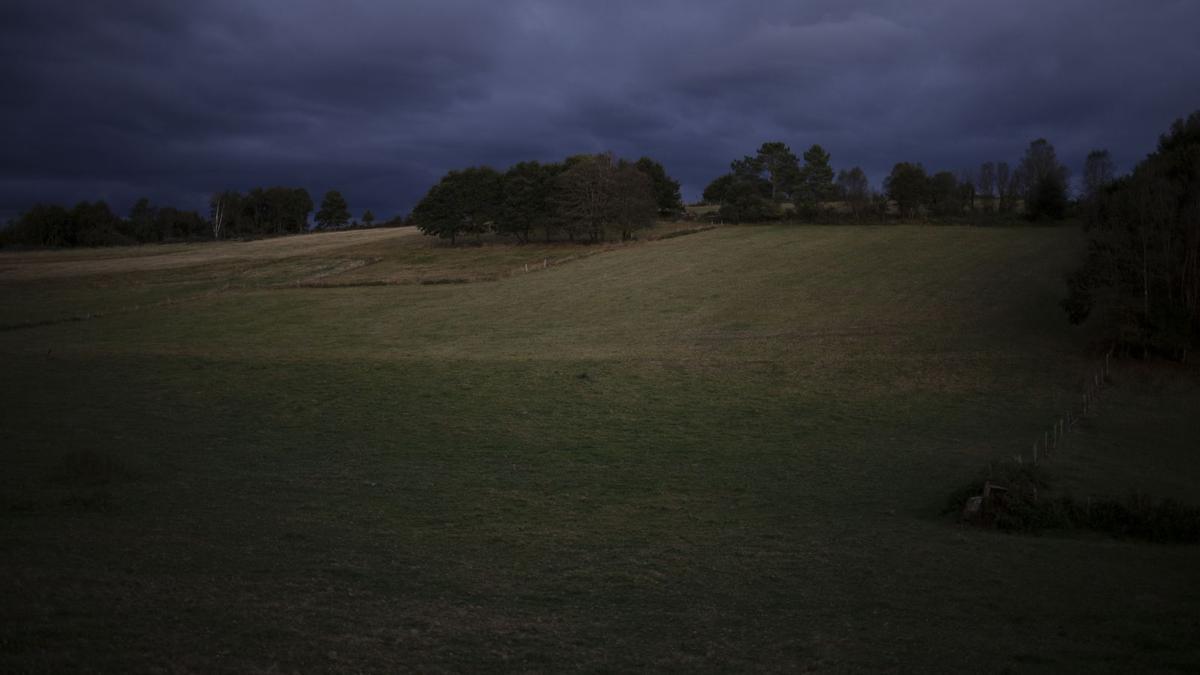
(1054, 438)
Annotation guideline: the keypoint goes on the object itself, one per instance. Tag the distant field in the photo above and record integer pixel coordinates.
(725, 451)
(57, 285)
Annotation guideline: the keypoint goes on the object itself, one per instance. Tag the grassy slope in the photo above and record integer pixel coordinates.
(721, 450)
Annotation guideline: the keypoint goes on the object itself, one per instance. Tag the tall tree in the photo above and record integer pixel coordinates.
(716, 191)
(749, 192)
(815, 178)
(333, 213)
(1045, 182)
(985, 180)
(141, 221)
(223, 207)
(528, 201)
(462, 202)
(908, 186)
(966, 189)
(634, 205)
(1097, 173)
(943, 194)
(585, 192)
(1142, 272)
(666, 189)
(855, 189)
(1004, 187)
(368, 218)
(782, 169)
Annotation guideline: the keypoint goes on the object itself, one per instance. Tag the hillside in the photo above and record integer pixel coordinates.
(727, 450)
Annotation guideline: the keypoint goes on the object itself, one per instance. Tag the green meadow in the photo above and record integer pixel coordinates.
(729, 450)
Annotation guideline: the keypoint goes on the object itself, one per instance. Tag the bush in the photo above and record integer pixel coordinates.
(1019, 498)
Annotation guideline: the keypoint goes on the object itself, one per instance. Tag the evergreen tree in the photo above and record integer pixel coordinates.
(333, 213)
(815, 178)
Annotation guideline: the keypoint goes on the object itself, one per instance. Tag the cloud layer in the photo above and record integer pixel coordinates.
(117, 100)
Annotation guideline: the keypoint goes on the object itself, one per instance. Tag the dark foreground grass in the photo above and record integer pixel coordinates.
(722, 451)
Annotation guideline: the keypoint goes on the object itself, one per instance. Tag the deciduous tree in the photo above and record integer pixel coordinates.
(1097, 173)
(855, 189)
(908, 186)
(528, 201)
(462, 202)
(1044, 181)
(667, 199)
(1142, 272)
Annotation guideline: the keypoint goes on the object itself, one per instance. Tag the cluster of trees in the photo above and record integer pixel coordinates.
(1142, 271)
(1039, 183)
(583, 197)
(259, 212)
(281, 210)
(94, 224)
(759, 186)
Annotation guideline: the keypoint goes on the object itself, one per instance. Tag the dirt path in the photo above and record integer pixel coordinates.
(28, 265)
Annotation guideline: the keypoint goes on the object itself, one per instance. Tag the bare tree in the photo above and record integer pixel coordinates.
(986, 180)
(966, 188)
(220, 213)
(855, 189)
(1097, 172)
(1003, 186)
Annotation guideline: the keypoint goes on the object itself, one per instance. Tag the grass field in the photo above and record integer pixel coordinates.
(722, 451)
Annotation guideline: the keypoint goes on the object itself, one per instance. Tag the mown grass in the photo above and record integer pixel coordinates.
(720, 451)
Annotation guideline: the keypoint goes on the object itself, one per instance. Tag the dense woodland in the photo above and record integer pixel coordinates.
(584, 197)
(1142, 272)
(260, 212)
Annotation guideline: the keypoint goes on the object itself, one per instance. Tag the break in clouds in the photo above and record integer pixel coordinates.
(116, 100)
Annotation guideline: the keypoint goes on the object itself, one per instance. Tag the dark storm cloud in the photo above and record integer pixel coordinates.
(115, 100)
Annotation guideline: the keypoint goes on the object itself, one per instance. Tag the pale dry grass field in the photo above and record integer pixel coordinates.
(55, 264)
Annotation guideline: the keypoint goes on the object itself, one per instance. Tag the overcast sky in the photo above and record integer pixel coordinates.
(173, 100)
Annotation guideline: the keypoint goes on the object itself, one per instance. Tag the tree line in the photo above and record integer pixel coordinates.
(1141, 276)
(584, 198)
(259, 212)
(758, 187)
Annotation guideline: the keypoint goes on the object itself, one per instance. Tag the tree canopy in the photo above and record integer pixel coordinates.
(462, 202)
(667, 198)
(1142, 272)
(815, 183)
(334, 212)
(1044, 180)
(908, 186)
